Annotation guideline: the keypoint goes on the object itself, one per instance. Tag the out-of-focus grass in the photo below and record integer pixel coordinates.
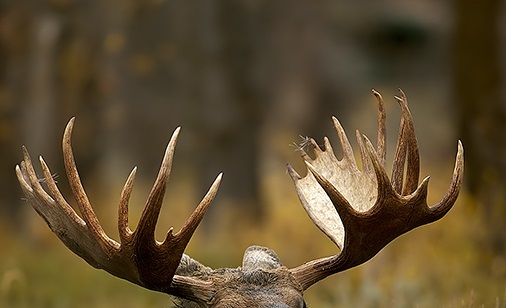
(441, 265)
(35, 275)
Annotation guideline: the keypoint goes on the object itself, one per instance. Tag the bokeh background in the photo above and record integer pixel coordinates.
(244, 79)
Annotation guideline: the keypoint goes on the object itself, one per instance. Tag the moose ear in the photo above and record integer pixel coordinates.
(258, 257)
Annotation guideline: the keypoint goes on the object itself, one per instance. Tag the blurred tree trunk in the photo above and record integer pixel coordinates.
(16, 23)
(482, 119)
(231, 113)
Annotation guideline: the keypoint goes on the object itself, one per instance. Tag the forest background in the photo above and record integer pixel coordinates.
(244, 79)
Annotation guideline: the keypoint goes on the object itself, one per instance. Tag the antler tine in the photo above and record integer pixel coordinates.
(366, 163)
(192, 223)
(450, 197)
(79, 194)
(411, 144)
(384, 186)
(147, 223)
(407, 145)
(399, 160)
(348, 156)
(125, 233)
(381, 148)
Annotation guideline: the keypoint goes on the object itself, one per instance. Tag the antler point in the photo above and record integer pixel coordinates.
(293, 174)
(460, 146)
(71, 121)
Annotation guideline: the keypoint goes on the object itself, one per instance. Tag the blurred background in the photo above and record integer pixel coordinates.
(245, 79)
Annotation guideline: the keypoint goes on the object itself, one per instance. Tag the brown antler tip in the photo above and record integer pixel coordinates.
(25, 152)
(459, 164)
(67, 135)
(219, 177)
(293, 174)
(421, 192)
(460, 156)
(376, 93)
(70, 123)
(402, 97)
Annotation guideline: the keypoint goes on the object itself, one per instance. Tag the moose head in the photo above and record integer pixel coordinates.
(360, 210)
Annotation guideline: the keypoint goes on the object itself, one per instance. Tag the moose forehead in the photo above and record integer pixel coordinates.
(261, 281)
(258, 288)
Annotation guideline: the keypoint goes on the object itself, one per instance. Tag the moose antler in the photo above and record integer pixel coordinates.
(138, 257)
(362, 211)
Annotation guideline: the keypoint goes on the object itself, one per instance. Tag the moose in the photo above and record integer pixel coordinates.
(361, 210)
